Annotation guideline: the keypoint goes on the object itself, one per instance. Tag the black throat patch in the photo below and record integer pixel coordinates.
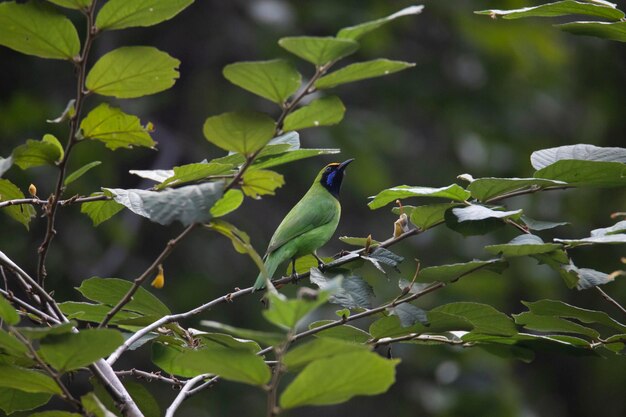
(332, 178)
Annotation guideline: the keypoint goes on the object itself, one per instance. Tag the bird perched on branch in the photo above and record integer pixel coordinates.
(310, 223)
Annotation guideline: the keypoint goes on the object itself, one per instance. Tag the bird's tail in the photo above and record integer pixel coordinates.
(272, 262)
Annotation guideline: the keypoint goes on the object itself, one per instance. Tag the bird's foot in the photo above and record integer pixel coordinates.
(320, 263)
(294, 277)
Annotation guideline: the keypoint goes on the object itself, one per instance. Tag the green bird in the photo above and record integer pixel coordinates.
(310, 223)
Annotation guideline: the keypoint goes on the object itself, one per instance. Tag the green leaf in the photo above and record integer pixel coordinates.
(11, 346)
(452, 272)
(358, 31)
(617, 228)
(476, 213)
(120, 14)
(384, 256)
(353, 293)
(391, 326)
(484, 189)
(533, 224)
(54, 413)
(275, 80)
(267, 338)
(228, 203)
(428, 216)
(483, 317)
(361, 71)
(561, 309)
(12, 400)
(343, 332)
(21, 213)
(27, 380)
(100, 211)
(145, 401)
(239, 239)
(317, 349)
(227, 341)
(237, 365)
(67, 352)
(80, 172)
(111, 290)
(167, 357)
(157, 175)
(258, 182)
(553, 324)
(319, 50)
(287, 313)
(612, 31)
(93, 406)
(408, 314)
(188, 204)
(523, 245)
(291, 156)
(194, 172)
(472, 228)
(593, 240)
(545, 157)
(451, 192)
(132, 71)
(339, 378)
(586, 173)
(7, 312)
(94, 312)
(359, 241)
(243, 132)
(34, 153)
(325, 111)
(36, 333)
(559, 8)
(586, 278)
(73, 4)
(37, 29)
(115, 128)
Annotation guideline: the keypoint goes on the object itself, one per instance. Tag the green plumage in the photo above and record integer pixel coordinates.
(310, 223)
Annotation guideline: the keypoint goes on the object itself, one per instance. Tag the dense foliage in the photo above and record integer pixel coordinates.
(45, 344)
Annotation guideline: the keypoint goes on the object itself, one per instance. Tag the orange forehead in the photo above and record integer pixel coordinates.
(334, 164)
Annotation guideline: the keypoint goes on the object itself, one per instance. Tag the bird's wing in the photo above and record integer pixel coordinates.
(308, 214)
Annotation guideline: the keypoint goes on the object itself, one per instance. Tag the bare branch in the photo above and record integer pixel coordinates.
(184, 393)
(150, 376)
(610, 299)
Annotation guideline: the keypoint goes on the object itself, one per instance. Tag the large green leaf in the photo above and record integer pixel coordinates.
(523, 245)
(12, 400)
(11, 346)
(132, 71)
(34, 153)
(545, 157)
(120, 14)
(612, 31)
(27, 380)
(115, 128)
(451, 192)
(111, 290)
(437, 322)
(7, 312)
(484, 189)
(553, 324)
(36, 333)
(427, 216)
(559, 8)
(258, 182)
(21, 213)
(93, 406)
(188, 204)
(229, 202)
(321, 348)
(100, 211)
(586, 173)
(275, 80)
(287, 313)
(477, 212)
(194, 172)
(324, 111)
(483, 317)
(343, 332)
(268, 338)
(561, 309)
(452, 272)
(319, 50)
(71, 351)
(361, 71)
(73, 4)
(37, 29)
(243, 132)
(358, 31)
(337, 379)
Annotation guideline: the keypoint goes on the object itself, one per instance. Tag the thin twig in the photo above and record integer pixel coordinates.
(44, 317)
(184, 393)
(420, 338)
(146, 274)
(277, 373)
(149, 376)
(610, 299)
(66, 394)
(81, 94)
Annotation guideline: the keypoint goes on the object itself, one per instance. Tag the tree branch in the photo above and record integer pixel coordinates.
(610, 299)
(149, 376)
(184, 393)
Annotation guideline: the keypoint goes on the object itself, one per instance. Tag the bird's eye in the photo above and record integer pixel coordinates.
(328, 169)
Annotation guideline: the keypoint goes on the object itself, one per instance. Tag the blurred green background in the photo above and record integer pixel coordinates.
(484, 94)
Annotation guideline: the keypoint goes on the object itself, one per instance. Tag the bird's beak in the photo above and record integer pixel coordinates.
(344, 164)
